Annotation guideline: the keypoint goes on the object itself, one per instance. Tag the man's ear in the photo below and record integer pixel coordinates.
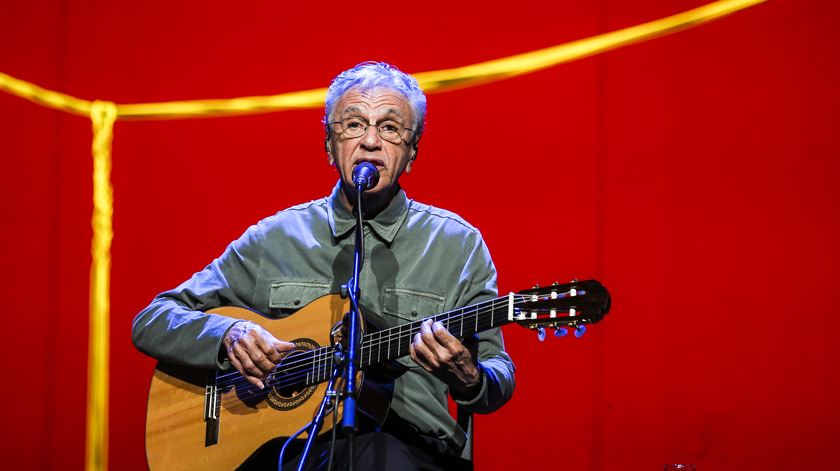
(328, 148)
(411, 158)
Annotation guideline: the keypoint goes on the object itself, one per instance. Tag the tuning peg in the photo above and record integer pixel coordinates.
(580, 330)
(541, 333)
(561, 332)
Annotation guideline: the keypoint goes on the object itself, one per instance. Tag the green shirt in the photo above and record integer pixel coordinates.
(419, 261)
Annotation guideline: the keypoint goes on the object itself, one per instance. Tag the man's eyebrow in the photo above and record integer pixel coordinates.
(351, 110)
(393, 111)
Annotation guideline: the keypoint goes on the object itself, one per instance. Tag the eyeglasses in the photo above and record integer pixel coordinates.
(352, 128)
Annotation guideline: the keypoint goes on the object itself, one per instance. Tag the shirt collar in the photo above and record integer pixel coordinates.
(386, 224)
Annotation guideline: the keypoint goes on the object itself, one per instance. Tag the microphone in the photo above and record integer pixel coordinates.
(365, 175)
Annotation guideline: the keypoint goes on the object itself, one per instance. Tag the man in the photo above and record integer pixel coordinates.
(420, 261)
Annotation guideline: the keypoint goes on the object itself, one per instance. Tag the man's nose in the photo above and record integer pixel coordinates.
(371, 138)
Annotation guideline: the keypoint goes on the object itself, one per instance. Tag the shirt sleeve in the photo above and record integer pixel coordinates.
(497, 369)
(174, 327)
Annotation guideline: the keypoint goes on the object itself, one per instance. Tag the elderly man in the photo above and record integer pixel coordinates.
(420, 261)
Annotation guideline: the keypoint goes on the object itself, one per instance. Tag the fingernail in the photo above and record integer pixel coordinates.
(260, 384)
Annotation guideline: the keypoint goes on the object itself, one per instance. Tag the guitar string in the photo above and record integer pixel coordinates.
(397, 332)
(300, 377)
(450, 313)
(325, 363)
(297, 378)
(321, 360)
(323, 357)
(445, 316)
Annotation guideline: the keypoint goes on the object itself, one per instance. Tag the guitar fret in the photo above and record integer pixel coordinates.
(308, 373)
(320, 366)
(363, 353)
(492, 309)
(315, 359)
(328, 360)
(476, 323)
(398, 335)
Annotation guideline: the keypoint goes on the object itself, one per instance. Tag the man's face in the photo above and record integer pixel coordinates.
(374, 106)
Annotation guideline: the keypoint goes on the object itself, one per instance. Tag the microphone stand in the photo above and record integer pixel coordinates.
(351, 364)
(348, 356)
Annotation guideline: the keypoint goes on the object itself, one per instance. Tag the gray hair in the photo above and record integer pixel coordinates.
(368, 75)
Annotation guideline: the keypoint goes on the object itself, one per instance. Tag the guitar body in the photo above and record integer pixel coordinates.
(206, 419)
(182, 432)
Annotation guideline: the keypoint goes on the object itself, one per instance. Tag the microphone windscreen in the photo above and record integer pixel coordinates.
(365, 175)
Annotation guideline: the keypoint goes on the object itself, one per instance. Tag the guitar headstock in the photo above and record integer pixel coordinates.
(557, 306)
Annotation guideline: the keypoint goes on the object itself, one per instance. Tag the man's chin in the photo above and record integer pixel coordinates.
(380, 189)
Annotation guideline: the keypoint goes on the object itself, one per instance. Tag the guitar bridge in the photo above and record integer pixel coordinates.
(212, 404)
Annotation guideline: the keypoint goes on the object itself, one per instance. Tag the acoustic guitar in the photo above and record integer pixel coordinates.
(211, 419)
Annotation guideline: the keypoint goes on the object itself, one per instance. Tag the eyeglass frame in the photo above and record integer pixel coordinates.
(378, 129)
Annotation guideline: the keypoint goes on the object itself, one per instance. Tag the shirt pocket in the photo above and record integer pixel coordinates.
(287, 296)
(411, 304)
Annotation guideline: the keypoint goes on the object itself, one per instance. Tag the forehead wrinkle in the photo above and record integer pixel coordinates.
(368, 103)
(351, 109)
(380, 114)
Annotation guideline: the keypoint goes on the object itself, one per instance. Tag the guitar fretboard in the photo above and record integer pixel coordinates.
(306, 368)
(390, 344)
(315, 366)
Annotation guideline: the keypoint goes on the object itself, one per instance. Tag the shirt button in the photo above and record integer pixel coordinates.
(413, 313)
(296, 302)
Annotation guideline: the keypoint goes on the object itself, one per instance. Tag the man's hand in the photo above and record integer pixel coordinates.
(441, 354)
(253, 351)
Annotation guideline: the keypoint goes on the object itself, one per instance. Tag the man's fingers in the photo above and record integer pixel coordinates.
(262, 361)
(422, 350)
(445, 338)
(264, 349)
(263, 353)
(441, 353)
(254, 352)
(244, 359)
(238, 365)
(255, 381)
(417, 358)
(282, 346)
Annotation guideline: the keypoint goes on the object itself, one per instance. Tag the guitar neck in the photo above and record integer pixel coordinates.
(390, 344)
(316, 365)
(571, 305)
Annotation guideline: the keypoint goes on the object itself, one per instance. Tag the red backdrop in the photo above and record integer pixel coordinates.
(695, 175)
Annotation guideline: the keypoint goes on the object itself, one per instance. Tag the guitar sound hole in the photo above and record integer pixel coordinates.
(290, 378)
